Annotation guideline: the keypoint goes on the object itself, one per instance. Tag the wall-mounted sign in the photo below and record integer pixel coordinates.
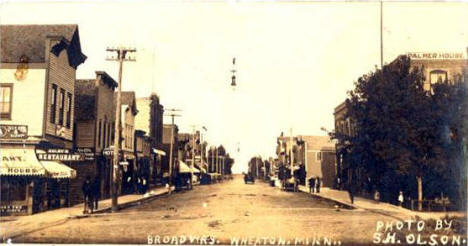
(88, 153)
(59, 155)
(13, 209)
(13, 131)
(434, 55)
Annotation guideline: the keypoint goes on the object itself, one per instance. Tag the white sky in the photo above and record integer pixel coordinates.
(295, 60)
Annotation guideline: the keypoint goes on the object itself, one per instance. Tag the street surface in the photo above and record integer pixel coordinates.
(226, 211)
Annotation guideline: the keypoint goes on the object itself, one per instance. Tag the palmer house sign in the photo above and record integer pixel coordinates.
(435, 55)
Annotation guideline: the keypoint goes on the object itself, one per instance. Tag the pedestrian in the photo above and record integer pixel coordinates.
(317, 185)
(377, 196)
(86, 188)
(96, 192)
(400, 199)
(351, 191)
(311, 185)
(338, 183)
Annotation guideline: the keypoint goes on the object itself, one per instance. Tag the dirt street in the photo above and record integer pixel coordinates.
(227, 213)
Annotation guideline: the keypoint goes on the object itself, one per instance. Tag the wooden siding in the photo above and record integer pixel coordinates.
(63, 75)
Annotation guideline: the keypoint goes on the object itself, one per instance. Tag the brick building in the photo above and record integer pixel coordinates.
(436, 67)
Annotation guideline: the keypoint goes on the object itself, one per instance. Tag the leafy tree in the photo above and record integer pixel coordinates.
(400, 131)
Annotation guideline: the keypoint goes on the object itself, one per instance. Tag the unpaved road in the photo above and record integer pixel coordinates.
(224, 213)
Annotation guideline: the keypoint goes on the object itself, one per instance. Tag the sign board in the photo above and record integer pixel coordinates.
(88, 153)
(435, 55)
(13, 209)
(13, 131)
(59, 155)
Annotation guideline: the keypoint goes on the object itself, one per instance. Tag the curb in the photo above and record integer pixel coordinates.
(121, 206)
(65, 219)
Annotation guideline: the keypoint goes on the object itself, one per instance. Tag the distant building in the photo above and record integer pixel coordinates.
(320, 158)
(128, 112)
(150, 120)
(37, 91)
(170, 131)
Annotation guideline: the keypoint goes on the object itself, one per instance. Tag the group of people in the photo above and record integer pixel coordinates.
(314, 184)
(91, 193)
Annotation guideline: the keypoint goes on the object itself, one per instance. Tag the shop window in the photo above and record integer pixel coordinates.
(53, 103)
(6, 91)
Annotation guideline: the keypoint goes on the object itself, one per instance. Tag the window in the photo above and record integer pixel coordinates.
(99, 134)
(69, 107)
(109, 133)
(104, 133)
(318, 156)
(53, 103)
(112, 133)
(6, 91)
(438, 76)
(61, 106)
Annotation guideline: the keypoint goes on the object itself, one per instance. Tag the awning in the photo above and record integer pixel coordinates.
(183, 168)
(20, 162)
(159, 152)
(203, 170)
(58, 170)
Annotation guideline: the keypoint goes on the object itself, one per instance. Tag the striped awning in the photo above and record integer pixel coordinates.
(20, 162)
(183, 168)
(58, 170)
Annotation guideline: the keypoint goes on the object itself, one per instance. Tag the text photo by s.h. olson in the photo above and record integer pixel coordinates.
(234, 122)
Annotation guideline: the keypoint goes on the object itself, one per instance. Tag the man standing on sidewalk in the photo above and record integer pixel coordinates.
(96, 193)
(87, 190)
(311, 184)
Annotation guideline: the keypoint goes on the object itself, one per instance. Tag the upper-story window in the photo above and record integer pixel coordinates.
(61, 106)
(437, 76)
(53, 103)
(69, 108)
(318, 156)
(6, 91)
(99, 133)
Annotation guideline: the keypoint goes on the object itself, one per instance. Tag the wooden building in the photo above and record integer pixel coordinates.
(94, 132)
(37, 79)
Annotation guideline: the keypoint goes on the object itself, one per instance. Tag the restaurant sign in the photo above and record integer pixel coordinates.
(59, 155)
(435, 56)
(13, 131)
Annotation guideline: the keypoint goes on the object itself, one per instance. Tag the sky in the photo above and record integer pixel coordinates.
(295, 61)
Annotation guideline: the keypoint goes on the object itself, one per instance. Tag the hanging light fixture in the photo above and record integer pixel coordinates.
(233, 71)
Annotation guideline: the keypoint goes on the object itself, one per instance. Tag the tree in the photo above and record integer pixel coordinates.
(396, 132)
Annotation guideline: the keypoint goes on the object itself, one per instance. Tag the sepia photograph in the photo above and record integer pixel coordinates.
(233, 122)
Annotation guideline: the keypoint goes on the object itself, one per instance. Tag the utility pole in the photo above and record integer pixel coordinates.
(193, 156)
(121, 57)
(291, 152)
(172, 113)
(381, 34)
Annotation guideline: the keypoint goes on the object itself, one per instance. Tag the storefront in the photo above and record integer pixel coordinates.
(30, 185)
